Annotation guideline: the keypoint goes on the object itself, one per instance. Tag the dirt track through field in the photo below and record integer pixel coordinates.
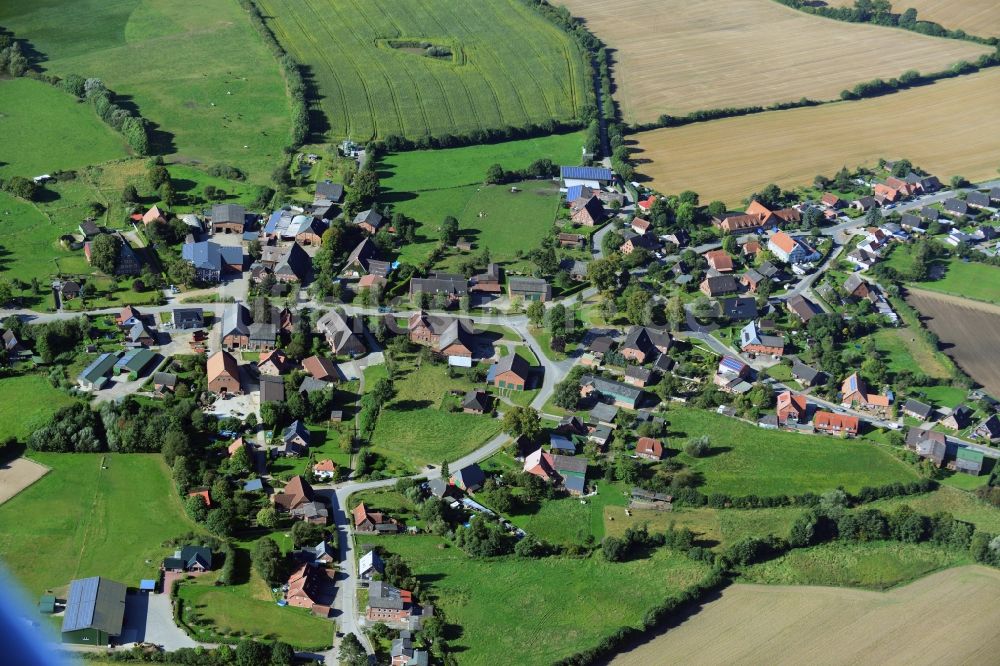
(17, 475)
(946, 618)
(968, 331)
(677, 56)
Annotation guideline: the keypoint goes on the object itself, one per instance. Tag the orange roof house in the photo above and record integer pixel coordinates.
(152, 215)
(720, 261)
(756, 216)
(649, 448)
(854, 393)
(304, 586)
(541, 464)
(237, 444)
(836, 424)
(791, 407)
(223, 373)
(204, 494)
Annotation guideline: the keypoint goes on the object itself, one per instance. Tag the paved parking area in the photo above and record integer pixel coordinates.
(149, 618)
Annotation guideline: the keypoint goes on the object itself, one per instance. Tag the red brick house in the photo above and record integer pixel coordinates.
(373, 522)
(719, 260)
(446, 335)
(305, 586)
(511, 372)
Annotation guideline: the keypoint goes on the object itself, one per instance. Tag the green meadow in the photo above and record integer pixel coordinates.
(26, 403)
(43, 129)
(561, 605)
(508, 66)
(93, 514)
(749, 460)
(197, 70)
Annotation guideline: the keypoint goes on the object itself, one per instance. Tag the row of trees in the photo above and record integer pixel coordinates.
(93, 90)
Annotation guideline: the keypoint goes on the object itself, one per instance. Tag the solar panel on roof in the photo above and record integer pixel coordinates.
(585, 173)
(80, 604)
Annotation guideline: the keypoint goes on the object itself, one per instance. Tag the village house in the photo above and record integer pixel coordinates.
(211, 260)
(529, 289)
(791, 250)
(641, 226)
(365, 259)
(864, 204)
(187, 318)
(477, 402)
(617, 393)
(588, 212)
(634, 241)
(989, 429)
(403, 653)
(344, 333)
(719, 260)
(295, 440)
(487, 282)
(539, 463)
(274, 362)
(757, 216)
(831, 200)
(228, 218)
(191, 559)
(603, 414)
(591, 177)
(960, 418)
(510, 372)
(719, 285)
(164, 382)
(649, 448)
(928, 444)
(296, 493)
(740, 308)
(752, 280)
(644, 342)
(854, 393)
(978, 200)
(967, 461)
(802, 307)
(573, 472)
(153, 216)
(391, 605)
(753, 341)
(836, 424)
(447, 336)
(956, 208)
(731, 376)
(469, 479)
(791, 407)
(373, 522)
(321, 368)
(223, 374)
(235, 330)
(917, 409)
(370, 221)
(370, 565)
(638, 376)
(305, 586)
(451, 287)
(571, 241)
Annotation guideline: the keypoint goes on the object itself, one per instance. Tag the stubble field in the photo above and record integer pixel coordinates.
(757, 624)
(508, 65)
(960, 324)
(685, 56)
(952, 127)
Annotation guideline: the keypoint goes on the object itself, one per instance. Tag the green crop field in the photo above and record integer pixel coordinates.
(413, 431)
(26, 403)
(196, 69)
(749, 460)
(561, 605)
(877, 565)
(89, 521)
(429, 185)
(509, 67)
(43, 129)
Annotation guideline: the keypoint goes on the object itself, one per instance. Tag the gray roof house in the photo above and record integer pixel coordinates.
(342, 332)
(187, 318)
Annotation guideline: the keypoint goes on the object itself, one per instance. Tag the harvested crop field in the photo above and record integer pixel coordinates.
(952, 128)
(687, 56)
(976, 17)
(17, 475)
(758, 624)
(960, 324)
(505, 64)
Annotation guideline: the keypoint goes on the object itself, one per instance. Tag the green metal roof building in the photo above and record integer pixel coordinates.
(134, 361)
(95, 611)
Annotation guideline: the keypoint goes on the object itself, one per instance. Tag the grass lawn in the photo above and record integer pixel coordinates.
(44, 129)
(966, 481)
(218, 99)
(250, 609)
(748, 460)
(29, 243)
(413, 431)
(90, 521)
(903, 350)
(712, 527)
(943, 395)
(877, 565)
(561, 605)
(973, 280)
(429, 185)
(571, 520)
(26, 403)
(325, 444)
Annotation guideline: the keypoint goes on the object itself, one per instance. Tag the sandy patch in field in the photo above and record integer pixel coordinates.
(946, 618)
(952, 127)
(17, 475)
(677, 56)
(967, 328)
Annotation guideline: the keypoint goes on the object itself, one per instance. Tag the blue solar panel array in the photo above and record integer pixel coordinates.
(585, 173)
(80, 604)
